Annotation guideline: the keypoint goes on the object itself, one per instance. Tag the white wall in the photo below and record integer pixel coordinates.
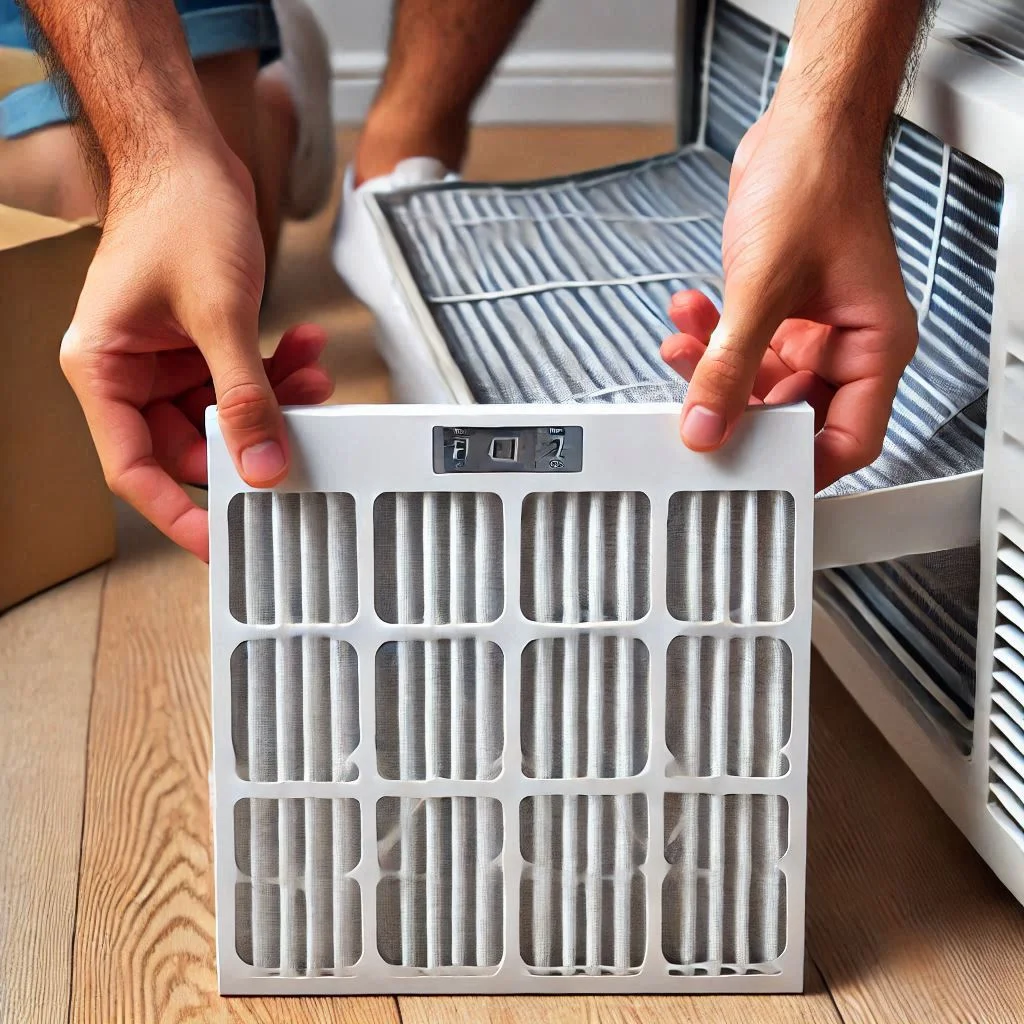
(577, 60)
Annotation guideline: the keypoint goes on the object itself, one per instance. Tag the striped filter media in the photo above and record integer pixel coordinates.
(558, 291)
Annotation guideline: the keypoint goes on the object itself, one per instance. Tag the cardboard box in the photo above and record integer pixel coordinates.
(56, 514)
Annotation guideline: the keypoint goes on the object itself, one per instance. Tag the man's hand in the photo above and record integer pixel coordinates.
(167, 321)
(815, 307)
(814, 302)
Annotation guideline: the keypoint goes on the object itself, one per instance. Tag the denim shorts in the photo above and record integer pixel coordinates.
(212, 27)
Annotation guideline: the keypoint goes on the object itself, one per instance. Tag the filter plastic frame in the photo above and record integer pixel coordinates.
(368, 451)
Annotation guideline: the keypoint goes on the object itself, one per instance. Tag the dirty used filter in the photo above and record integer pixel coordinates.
(491, 720)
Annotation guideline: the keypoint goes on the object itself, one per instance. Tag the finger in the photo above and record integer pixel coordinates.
(803, 386)
(804, 343)
(683, 353)
(854, 429)
(723, 380)
(299, 346)
(177, 445)
(125, 449)
(693, 313)
(248, 412)
(309, 386)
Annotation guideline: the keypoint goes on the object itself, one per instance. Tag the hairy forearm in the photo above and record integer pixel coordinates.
(851, 63)
(128, 67)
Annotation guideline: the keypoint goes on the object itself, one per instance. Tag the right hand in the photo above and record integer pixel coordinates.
(168, 322)
(815, 306)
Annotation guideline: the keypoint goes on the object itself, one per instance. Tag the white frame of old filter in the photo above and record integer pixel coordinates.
(625, 448)
(972, 104)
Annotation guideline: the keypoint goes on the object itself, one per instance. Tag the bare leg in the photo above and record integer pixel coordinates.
(45, 172)
(439, 59)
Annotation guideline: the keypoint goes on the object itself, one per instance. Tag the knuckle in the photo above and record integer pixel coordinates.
(244, 406)
(115, 480)
(73, 349)
(723, 371)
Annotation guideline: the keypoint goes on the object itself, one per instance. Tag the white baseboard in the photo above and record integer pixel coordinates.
(539, 86)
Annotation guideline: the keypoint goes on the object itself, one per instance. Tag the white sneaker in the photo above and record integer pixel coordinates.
(306, 60)
(358, 256)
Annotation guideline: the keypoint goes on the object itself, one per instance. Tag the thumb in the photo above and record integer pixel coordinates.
(250, 418)
(723, 380)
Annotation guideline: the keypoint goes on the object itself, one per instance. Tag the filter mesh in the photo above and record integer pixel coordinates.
(295, 709)
(292, 557)
(1006, 736)
(297, 910)
(582, 905)
(437, 557)
(725, 896)
(584, 707)
(440, 899)
(439, 709)
(586, 557)
(728, 706)
(728, 556)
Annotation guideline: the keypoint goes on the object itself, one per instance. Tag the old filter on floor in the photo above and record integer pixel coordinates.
(512, 699)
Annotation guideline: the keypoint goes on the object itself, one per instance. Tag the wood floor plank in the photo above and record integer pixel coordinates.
(144, 944)
(904, 919)
(813, 1007)
(47, 651)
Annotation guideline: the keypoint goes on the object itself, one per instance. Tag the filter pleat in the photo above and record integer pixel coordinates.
(624, 709)
(291, 846)
(266, 893)
(571, 528)
(488, 732)
(345, 853)
(258, 558)
(319, 882)
(342, 575)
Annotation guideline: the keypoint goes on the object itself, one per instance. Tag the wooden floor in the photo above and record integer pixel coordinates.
(106, 890)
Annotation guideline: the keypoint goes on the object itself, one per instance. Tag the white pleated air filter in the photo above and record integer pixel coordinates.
(509, 699)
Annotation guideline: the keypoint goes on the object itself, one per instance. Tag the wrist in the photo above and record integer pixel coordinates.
(179, 159)
(846, 137)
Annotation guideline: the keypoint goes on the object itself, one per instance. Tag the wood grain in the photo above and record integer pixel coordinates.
(47, 649)
(813, 1007)
(144, 944)
(905, 920)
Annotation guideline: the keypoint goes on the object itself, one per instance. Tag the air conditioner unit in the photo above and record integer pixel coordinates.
(512, 698)
(557, 290)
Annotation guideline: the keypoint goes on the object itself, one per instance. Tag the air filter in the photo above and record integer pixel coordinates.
(512, 699)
